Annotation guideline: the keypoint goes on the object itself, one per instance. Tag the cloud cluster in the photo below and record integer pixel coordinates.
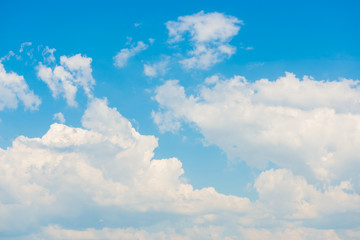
(13, 89)
(209, 35)
(191, 233)
(108, 168)
(105, 164)
(122, 57)
(310, 127)
(102, 180)
(74, 72)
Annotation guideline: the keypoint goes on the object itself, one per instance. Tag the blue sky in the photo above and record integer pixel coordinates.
(188, 120)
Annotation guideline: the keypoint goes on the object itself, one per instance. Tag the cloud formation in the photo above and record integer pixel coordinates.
(122, 57)
(191, 233)
(209, 34)
(311, 127)
(104, 164)
(102, 180)
(13, 89)
(73, 73)
(106, 167)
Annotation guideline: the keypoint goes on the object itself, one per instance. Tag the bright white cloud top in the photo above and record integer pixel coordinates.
(106, 164)
(311, 127)
(108, 174)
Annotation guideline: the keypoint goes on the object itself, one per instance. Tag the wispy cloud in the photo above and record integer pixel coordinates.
(23, 45)
(156, 69)
(122, 58)
(59, 117)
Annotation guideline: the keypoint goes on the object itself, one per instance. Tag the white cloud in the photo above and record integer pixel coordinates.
(23, 45)
(151, 40)
(210, 35)
(48, 55)
(104, 164)
(106, 167)
(54, 232)
(284, 195)
(122, 58)
(311, 127)
(59, 117)
(13, 89)
(300, 233)
(7, 56)
(74, 72)
(156, 69)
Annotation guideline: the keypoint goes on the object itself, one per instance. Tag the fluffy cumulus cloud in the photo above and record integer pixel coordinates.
(291, 197)
(106, 165)
(13, 89)
(79, 183)
(208, 33)
(122, 57)
(64, 80)
(310, 127)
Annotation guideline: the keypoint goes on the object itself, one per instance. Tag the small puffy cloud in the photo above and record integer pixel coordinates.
(74, 72)
(156, 69)
(151, 40)
(311, 127)
(209, 34)
(122, 58)
(212, 79)
(59, 117)
(13, 89)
